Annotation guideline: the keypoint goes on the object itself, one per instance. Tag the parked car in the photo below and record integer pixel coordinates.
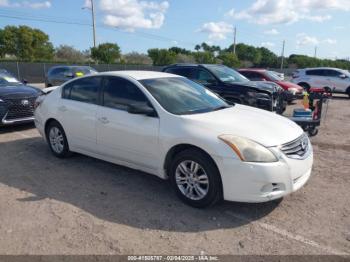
(337, 80)
(254, 74)
(172, 127)
(16, 100)
(229, 84)
(57, 75)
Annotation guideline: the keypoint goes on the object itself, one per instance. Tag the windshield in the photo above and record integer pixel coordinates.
(7, 79)
(273, 76)
(226, 74)
(181, 96)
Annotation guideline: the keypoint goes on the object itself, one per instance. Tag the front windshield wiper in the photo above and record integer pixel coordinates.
(221, 107)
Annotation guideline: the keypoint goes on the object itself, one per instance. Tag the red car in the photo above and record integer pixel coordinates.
(254, 74)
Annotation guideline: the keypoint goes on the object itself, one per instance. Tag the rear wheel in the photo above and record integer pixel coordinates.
(195, 178)
(57, 140)
(348, 91)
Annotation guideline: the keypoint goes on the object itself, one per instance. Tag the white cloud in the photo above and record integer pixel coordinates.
(290, 11)
(267, 44)
(273, 31)
(330, 41)
(26, 4)
(317, 18)
(230, 13)
(216, 30)
(133, 14)
(304, 39)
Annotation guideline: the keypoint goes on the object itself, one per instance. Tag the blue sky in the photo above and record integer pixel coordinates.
(137, 25)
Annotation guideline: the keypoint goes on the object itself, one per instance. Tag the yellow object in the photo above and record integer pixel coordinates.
(306, 101)
(79, 74)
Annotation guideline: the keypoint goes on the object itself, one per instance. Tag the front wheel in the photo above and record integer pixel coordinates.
(57, 140)
(196, 179)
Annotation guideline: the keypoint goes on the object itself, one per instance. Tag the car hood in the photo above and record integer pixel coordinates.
(253, 85)
(288, 85)
(19, 91)
(261, 126)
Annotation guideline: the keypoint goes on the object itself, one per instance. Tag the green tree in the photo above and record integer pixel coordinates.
(69, 53)
(161, 57)
(25, 43)
(179, 50)
(137, 59)
(106, 53)
(229, 59)
(268, 58)
(205, 57)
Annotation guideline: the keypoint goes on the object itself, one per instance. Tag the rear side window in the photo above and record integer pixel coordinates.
(315, 72)
(253, 76)
(119, 93)
(332, 73)
(58, 71)
(182, 71)
(83, 90)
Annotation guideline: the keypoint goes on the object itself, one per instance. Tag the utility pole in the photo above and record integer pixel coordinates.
(315, 52)
(234, 40)
(282, 54)
(93, 22)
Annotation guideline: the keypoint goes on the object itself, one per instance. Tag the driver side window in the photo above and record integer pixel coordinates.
(119, 93)
(204, 77)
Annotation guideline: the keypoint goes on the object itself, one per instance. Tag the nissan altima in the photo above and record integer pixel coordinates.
(171, 127)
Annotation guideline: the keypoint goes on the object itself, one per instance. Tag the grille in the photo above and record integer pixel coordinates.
(20, 108)
(297, 148)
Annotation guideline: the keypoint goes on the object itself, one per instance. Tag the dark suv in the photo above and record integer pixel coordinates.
(16, 100)
(57, 75)
(231, 85)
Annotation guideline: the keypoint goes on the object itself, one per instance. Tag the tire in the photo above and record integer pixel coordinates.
(205, 193)
(57, 140)
(348, 91)
(306, 86)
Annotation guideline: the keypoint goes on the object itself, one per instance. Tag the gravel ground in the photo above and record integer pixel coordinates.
(85, 206)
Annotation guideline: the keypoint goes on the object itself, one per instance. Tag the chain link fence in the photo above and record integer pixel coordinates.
(35, 72)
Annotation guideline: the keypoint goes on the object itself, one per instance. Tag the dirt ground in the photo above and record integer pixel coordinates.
(85, 206)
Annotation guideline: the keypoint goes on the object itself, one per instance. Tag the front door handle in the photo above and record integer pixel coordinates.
(62, 108)
(103, 120)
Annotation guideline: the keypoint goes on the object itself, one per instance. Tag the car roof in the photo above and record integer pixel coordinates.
(139, 75)
(316, 68)
(252, 70)
(194, 65)
(69, 66)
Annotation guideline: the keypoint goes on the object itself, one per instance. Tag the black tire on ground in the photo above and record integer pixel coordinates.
(348, 91)
(64, 152)
(214, 193)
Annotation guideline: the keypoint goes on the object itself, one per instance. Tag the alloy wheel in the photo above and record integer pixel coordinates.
(192, 180)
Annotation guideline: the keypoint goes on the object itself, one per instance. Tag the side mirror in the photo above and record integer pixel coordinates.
(68, 75)
(138, 109)
(25, 81)
(343, 76)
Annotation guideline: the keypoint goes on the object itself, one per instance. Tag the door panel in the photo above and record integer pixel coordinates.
(128, 137)
(77, 112)
(123, 136)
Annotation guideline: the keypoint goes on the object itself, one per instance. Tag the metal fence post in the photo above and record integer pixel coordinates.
(18, 74)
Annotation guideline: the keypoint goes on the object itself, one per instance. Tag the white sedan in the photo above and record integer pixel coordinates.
(174, 128)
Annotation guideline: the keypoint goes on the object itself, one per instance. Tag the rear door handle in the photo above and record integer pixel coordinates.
(62, 109)
(103, 120)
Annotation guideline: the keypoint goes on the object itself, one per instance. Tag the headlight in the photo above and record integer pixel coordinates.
(1, 101)
(248, 150)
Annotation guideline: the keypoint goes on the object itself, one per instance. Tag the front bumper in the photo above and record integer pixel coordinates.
(262, 182)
